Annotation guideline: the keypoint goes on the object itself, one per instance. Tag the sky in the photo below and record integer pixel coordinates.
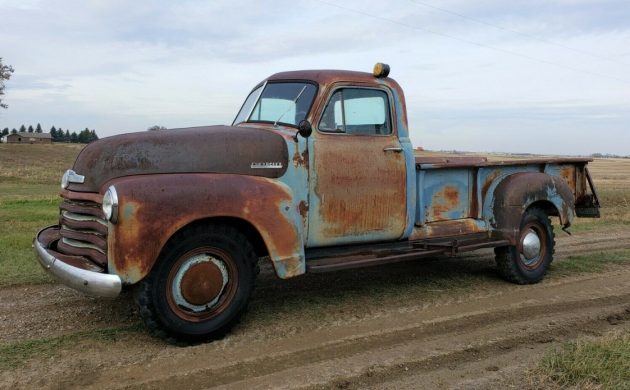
(548, 77)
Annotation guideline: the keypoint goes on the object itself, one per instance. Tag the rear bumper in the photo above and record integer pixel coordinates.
(83, 279)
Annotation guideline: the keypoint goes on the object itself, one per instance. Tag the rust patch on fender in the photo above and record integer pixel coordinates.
(442, 203)
(300, 159)
(145, 225)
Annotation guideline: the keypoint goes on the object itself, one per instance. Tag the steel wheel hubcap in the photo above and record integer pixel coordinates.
(531, 246)
(199, 283)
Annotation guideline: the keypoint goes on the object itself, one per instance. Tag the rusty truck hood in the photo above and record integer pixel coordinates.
(211, 149)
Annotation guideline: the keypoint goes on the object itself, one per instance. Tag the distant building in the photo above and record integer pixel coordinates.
(27, 138)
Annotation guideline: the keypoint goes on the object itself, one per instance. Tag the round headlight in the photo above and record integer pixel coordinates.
(110, 204)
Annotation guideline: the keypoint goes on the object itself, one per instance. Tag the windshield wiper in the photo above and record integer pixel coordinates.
(275, 124)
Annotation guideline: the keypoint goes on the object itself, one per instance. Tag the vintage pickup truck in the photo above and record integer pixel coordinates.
(317, 173)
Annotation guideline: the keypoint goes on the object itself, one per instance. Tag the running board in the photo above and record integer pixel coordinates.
(347, 257)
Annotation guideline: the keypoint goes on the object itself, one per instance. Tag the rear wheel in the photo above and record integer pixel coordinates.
(200, 285)
(528, 261)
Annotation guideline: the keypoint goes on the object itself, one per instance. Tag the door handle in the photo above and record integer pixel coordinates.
(393, 149)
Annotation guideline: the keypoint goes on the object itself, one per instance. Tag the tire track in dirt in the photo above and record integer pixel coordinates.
(365, 357)
(363, 345)
(413, 371)
(291, 352)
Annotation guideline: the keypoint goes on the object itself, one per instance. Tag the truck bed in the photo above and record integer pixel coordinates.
(459, 188)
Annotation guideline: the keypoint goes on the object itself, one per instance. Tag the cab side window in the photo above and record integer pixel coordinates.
(357, 111)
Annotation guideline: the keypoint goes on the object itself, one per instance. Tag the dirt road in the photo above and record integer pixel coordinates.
(445, 323)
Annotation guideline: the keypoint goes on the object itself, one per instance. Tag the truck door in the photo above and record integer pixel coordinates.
(357, 175)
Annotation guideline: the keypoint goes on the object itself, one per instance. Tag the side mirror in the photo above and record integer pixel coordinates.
(304, 128)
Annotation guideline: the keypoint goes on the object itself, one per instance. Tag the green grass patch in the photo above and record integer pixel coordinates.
(20, 220)
(603, 362)
(591, 262)
(599, 225)
(29, 200)
(16, 354)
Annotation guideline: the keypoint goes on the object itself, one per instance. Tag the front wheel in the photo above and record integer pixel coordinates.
(528, 261)
(200, 285)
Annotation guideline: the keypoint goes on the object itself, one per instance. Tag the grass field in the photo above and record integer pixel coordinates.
(29, 199)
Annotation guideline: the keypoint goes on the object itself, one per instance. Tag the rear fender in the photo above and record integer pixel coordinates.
(517, 192)
(152, 208)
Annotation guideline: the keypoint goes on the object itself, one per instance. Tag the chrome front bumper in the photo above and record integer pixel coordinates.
(84, 280)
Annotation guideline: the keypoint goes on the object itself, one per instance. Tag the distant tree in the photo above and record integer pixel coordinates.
(66, 137)
(89, 135)
(5, 131)
(84, 136)
(13, 131)
(22, 129)
(74, 138)
(156, 127)
(30, 129)
(38, 129)
(53, 133)
(5, 74)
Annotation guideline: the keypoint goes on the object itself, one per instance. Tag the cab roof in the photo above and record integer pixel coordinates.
(327, 76)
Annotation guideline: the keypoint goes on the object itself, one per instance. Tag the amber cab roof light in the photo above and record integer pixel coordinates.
(381, 70)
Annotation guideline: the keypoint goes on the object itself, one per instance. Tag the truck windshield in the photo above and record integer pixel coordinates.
(286, 103)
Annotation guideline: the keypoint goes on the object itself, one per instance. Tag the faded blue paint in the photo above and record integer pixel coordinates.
(435, 203)
(295, 182)
(558, 201)
(410, 162)
(420, 206)
(412, 194)
(485, 174)
(552, 195)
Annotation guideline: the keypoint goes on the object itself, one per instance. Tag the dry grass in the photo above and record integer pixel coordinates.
(612, 180)
(588, 363)
(34, 171)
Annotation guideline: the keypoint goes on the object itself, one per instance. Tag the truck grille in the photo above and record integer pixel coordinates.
(83, 230)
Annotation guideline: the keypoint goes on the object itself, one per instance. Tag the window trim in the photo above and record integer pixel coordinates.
(283, 81)
(335, 88)
(262, 88)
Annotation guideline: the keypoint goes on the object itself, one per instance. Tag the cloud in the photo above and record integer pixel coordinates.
(118, 65)
(31, 82)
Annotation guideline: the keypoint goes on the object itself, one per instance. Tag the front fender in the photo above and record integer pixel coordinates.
(154, 207)
(517, 192)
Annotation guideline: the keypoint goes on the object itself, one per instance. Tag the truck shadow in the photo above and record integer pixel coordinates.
(370, 289)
